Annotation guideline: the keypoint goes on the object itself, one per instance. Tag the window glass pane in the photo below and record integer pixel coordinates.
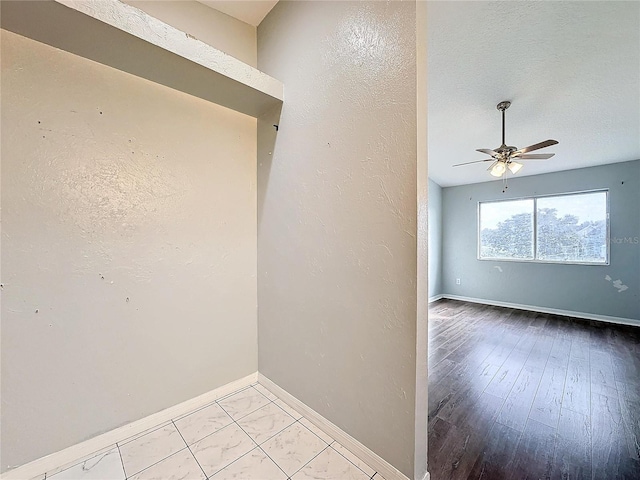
(506, 229)
(572, 228)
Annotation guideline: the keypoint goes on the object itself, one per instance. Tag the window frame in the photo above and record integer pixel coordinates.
(535, 230)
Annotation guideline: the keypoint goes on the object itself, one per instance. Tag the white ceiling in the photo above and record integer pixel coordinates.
(249, 11)
(570, 69)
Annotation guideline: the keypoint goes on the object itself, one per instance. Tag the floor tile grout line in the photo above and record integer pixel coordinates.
(277, 433)
(213, 433)
(252, 411)
(155, 463)
(228, 424)
(74, 463)
(190, 451)
(311, 459)
(233, 461)
(244, 416)
(334, 449)
(240, 418)
(259, 445)
(216, 401)
(121, 462)
(233, 393)
(269, 457)
(223, 397)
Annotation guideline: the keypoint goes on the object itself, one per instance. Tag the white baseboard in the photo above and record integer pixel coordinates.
(388, 471)
(79, 452)
(567, 313)
(435, 298)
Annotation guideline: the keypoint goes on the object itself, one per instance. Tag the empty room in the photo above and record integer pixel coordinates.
(534, 240)
(330, 240)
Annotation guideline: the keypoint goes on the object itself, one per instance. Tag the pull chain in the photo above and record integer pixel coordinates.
(505, 181)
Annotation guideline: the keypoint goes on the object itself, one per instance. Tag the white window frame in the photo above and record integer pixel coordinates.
(535, 230)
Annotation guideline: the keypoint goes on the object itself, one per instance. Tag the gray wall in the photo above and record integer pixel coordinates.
(435, 239)
(337, 217)
(578, 288)
(128, 248)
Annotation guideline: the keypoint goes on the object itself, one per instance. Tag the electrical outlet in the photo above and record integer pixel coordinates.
(457, 281)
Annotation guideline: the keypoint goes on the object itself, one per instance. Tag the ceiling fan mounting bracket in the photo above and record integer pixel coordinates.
(502, 106)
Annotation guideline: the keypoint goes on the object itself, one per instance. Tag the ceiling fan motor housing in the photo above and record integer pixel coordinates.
(506, 150)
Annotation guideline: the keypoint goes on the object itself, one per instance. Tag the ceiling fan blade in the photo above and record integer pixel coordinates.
(488, 152)
(537, 146)
(535, 156)
(477, 161)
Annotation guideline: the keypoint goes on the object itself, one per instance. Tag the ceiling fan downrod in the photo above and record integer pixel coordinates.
(502, 106)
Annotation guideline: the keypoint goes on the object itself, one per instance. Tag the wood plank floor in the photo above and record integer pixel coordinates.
(524, 395)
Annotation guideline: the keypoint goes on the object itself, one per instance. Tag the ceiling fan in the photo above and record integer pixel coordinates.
(504, 157)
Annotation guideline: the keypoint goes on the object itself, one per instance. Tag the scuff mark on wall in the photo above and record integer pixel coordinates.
(617, 284)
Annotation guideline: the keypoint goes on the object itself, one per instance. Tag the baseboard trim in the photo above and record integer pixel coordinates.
(532, 308)
(71, 455)
(376, 462)
(435, 298)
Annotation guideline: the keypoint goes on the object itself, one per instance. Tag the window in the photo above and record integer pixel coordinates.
(569, 228)
(506, 229)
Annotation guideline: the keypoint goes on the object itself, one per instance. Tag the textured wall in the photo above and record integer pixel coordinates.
(337, 217)
(221, 31)
(578, 288)
(435, 239)
(128, 248)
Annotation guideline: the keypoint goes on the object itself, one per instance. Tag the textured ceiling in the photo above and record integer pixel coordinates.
(249, 11)
(570, 69)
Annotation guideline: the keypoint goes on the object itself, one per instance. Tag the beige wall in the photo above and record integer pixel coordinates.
(221, 31)
(128, 248)
(337, 217)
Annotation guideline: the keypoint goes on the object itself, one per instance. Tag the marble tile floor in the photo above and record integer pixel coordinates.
(248, 435)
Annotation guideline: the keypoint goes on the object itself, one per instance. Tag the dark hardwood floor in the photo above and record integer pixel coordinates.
(524, 395)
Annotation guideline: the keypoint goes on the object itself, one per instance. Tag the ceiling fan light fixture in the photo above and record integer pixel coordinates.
(514, 167)
(498, 169)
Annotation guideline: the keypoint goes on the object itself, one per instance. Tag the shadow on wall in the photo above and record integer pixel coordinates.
(268, 124)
